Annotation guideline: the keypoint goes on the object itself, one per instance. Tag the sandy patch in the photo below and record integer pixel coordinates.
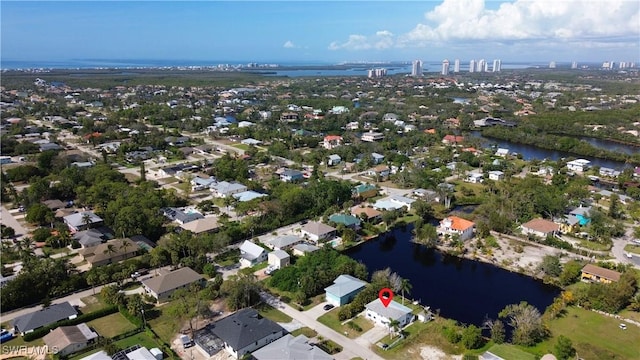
(433, 353)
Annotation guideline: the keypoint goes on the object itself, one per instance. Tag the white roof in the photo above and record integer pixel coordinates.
(280, 254)
(284, 240)
(141, 354)
(250, 250)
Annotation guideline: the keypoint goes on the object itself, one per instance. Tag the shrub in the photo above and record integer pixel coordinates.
(452, 334)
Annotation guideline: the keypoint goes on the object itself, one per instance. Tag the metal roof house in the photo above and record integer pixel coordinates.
(251, 254)
(344, 289)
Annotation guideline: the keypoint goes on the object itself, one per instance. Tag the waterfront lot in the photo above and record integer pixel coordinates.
(594, 336)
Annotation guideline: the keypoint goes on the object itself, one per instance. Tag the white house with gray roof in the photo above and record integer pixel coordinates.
(382, 316)
(283, 242)
(317, 231)
(251, 254)
(161, 287)
(343, 290)
(82, 221)
(224, 189)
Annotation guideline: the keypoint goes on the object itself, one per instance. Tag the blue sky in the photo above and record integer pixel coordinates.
(327, 31)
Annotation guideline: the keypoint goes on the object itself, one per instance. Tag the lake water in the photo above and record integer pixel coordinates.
(461, 289)
(530, 152)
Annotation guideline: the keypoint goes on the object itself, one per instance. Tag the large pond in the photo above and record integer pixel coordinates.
(530, 152)
(465, 290)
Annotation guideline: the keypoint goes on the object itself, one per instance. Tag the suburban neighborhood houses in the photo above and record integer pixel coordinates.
(225, 214)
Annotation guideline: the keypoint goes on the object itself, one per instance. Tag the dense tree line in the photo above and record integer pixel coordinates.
(315, 271)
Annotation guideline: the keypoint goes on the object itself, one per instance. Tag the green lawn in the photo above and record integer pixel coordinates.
(314, 301)
(92, 303)
(272, 313)
(632, 248)
(507, 351)
(418, 335)
(111, 325)
(244, 147)
(308, 332)
(592, 245)
(594, 336)
(138, 339)
(163, 324)
(331, 320)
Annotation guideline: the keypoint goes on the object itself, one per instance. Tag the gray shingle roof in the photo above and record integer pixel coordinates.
(243, 328)
(172, 280)
(44, 317)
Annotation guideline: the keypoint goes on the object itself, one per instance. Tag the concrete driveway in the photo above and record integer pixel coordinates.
(8, 219)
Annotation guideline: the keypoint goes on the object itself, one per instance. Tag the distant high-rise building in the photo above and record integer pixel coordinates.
(376, 73)
(574, 65)
(497, 65)
(552, 65)
(472, 66)
(456, 66)
(445, 67)
(416, 69)
(481, 65)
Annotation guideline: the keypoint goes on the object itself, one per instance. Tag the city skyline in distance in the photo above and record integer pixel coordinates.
(516, 30)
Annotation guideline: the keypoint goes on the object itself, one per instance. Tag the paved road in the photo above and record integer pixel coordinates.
(351, 348)
(618, 249)
(8, 220)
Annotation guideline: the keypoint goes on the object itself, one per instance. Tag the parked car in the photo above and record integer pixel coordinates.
(328, 307)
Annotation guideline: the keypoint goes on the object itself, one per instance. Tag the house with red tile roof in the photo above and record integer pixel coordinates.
(454, 225)
(452, 139)
(332, 141)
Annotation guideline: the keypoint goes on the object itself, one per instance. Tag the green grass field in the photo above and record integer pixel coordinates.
(632, 248)
(594, 336)
(272, 313)
(306, 331)
(111, 325)
(331, 320)
(507, 351)
(92, 303)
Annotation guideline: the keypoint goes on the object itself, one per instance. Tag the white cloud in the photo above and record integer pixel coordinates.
(379, 41)
(579, 22)
(288, 44)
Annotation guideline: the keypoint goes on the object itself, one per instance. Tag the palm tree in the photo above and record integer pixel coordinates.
(110, 250)
(124, 244)
(393, 325)
(405, 287)
(86, 219)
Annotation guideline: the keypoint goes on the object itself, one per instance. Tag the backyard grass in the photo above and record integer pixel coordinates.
(165, 325)
(418, 335)
(272, 313)
(631, 248)
(594, 336)
(507, 351)
(141, 339)
(111, 325)
(306, 331)
(92, 303)
(331, 320)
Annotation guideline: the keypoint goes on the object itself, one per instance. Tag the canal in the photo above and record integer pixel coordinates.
(530, 152)
(465, 290)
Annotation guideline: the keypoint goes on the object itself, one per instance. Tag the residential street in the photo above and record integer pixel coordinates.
(351, 348)
(8, 220)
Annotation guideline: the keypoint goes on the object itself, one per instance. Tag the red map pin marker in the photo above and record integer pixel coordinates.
(385, 295)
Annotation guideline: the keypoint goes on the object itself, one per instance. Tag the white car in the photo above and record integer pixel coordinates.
(623, 326)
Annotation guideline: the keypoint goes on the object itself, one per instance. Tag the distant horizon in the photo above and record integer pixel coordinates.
(14, 64)
(321, 31)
